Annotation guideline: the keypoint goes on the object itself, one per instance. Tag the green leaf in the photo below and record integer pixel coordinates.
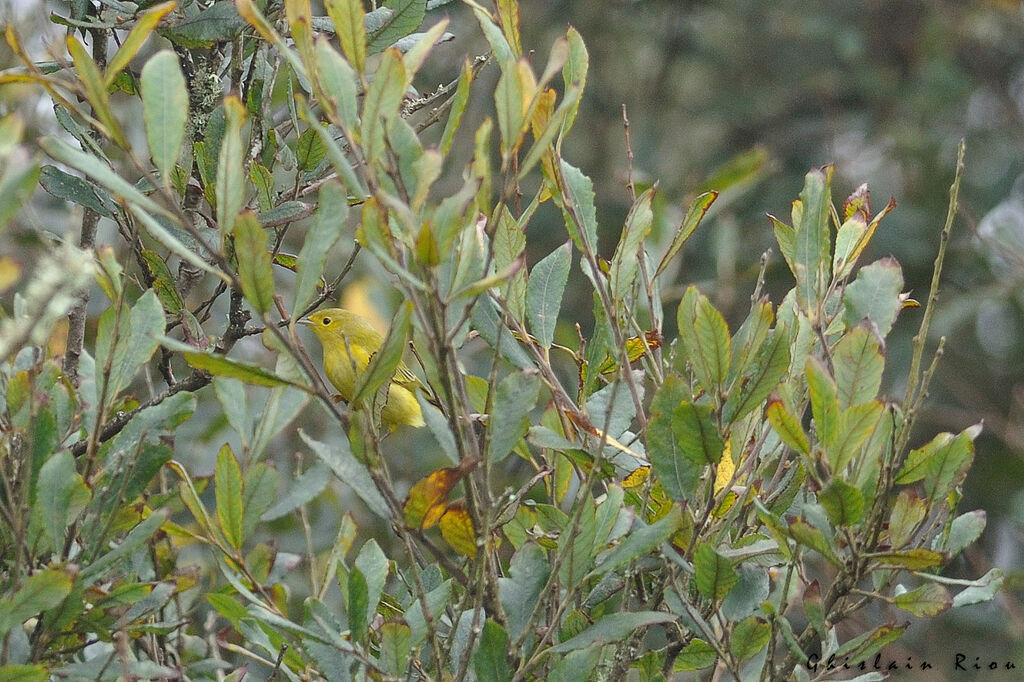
(100, 172)
(875, 295)
(309, 150)
(750, 591)
(577, 549)
(231, 166)
(509, 245)
(677, 473)
(495, 38)
(95, 90)
(163, 282)
(490, 660)
(544, 292)
(696, 433)
(373, 566)
(814, 607)
(928, 600)
(164, 109)
(849, 236)
(322, 235)
(254, 267)
(908, 511)
(510, 108)
(40, 592)
(136, 537)
(351, 472)
(705, 339)
(758, 380)
(220, 23)
(715, 574)
(964, 530)
(855, 426)
(338, 81)
(576, 666)
(580, 211)
(981, 590)
(574, 73)
(458, 108)
(488, 323)
(24, 673)
(858, 363)
(750, 338)
(641, 540)
(259, 491)
(131, 43)
(338, 160)
(386, 360)
(406, 17)
(56, 484)
(508, 422)
(528, 572)
(843, 503)
(809, 536)
(612, 628)
(223, 366)
(137, 337)
(302, 491)
(284, 213)
(917, 559)
(165, 236)
(436, 600)
(824, 400)
(147, 423)
(555, 125)
(71, 188)
(749, 637)
(942, 463)
(227, 481)
(395, 647)
(382, 104)
(350, 26)
(694, 215)
(787, 426)
(626, 260)
(786, 238)
(151, 458)
(864, 646)
(697, 654)
(811, 233)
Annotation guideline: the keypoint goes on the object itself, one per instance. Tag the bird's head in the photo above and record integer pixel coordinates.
(340, 325)
(325, 323)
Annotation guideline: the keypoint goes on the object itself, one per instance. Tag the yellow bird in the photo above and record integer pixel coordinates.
(349, 341)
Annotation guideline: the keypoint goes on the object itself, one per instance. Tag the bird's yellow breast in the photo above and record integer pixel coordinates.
(348, 343)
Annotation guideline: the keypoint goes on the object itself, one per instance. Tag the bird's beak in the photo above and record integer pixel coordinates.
(305, 322)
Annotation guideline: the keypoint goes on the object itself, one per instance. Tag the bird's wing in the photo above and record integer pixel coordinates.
(405, 377)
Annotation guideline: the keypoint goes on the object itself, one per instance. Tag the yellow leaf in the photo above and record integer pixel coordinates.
(637, 478)
(457, 530)
(726, 468)
(636, 348)
(426, 503)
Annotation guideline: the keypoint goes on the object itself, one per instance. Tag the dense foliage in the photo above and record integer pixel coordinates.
(614, 499)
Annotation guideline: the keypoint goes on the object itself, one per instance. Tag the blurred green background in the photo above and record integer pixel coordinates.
(884, 90)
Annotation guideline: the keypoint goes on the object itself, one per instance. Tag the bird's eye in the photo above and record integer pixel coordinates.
(327, 321)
